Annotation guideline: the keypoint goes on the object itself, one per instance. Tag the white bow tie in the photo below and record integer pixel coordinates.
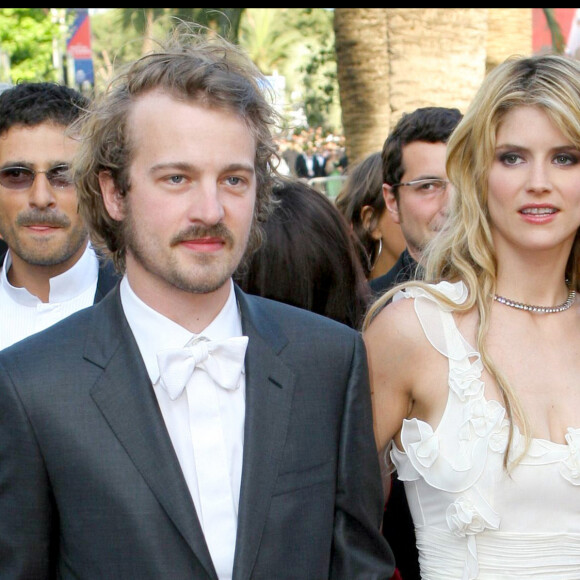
(223, 360)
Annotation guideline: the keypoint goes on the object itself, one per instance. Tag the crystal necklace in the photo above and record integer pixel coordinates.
(538, 309)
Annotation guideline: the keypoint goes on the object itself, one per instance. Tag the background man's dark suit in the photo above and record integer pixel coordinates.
(403, 269)
(302, 168)
(87, 445)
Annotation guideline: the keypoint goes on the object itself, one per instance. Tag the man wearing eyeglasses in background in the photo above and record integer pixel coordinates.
(415, 185)
(416, 193)
(49, 270)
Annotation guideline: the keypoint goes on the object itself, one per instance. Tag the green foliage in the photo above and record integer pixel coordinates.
(319, 77)
(269, 41)
(321, 90)
(298, 44)
(142, 28)
(111, 49)
(558, 42)
(223, 21)
(26, 38)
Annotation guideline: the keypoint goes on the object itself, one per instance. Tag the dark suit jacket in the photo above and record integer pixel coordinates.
(91, 488)
(302, 169)
(107, 279)
(403, 269)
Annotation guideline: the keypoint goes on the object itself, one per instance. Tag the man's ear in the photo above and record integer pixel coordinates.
(391, 202)
(370, 222)
(113, 199)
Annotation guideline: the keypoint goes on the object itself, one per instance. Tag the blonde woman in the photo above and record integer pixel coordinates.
(476, 368)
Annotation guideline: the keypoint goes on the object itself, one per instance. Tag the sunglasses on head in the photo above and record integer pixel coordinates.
(22, 177)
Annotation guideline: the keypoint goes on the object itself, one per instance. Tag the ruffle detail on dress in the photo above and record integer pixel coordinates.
(455, 291)
(456, 481)
(481, 419)
(479, 425)
(453, 472)
(430, 312)
(570, 466)
(466, 382)
(385, 461)
(466, 518)
(404, 468)
(544, 452)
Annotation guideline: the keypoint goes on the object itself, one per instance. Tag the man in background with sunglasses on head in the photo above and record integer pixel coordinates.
(50, 269)
(415, 184)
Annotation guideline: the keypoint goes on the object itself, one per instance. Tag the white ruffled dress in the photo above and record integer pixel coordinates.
(473, 520)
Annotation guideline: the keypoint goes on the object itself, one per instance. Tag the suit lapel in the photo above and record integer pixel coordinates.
(106, 280)
(269, 391)
(126, 399)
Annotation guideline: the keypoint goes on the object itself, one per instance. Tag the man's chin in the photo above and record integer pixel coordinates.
(47, 260)
(201, 284)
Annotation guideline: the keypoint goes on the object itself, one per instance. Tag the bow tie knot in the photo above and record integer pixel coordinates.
(223, 360)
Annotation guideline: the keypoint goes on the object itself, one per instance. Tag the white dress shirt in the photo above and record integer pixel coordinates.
(23, 314)
(153, 333)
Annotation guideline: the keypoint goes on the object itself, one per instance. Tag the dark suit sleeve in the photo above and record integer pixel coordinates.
(300, 166)
(25, 500)
(359, 550)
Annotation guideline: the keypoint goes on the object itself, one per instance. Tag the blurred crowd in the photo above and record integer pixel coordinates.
(310, 153)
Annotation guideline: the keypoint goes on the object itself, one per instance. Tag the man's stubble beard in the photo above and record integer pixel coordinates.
(40, 253)
(212, 273)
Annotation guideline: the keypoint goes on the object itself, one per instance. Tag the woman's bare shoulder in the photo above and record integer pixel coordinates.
(396, 321)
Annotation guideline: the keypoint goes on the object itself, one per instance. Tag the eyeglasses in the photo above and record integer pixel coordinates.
(426, 186)
(22, 177)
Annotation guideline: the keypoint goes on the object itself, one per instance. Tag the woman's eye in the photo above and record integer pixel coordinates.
(233, 180)
(566, 159)
(510, 158)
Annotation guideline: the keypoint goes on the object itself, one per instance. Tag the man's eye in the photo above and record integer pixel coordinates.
(17, 173)
(16, 176)
(176, 179)
(60, 176)
(60, 170)
(234, 180)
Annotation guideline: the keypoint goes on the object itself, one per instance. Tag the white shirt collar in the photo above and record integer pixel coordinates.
(63, 287)
(154, 332)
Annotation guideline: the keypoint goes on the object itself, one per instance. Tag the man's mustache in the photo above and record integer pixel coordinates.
(42, 218)
(200, 231)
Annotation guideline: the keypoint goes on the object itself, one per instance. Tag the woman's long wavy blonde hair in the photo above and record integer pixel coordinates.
(464, 249)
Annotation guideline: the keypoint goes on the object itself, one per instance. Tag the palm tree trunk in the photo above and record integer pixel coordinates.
(509, 32)
(437, 56)
(363, 77)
